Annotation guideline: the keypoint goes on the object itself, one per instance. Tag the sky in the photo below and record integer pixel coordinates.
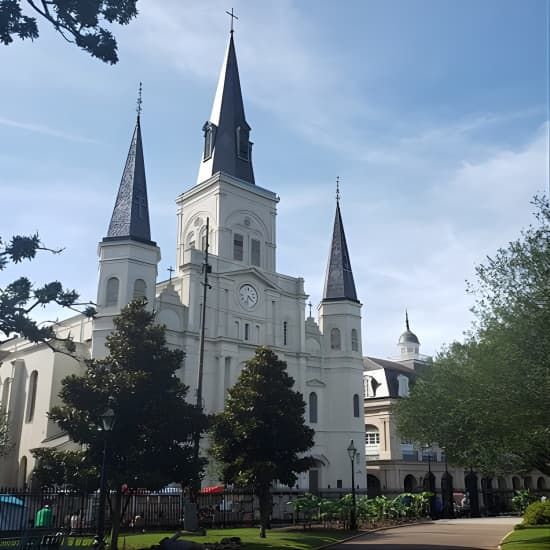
(433, 113)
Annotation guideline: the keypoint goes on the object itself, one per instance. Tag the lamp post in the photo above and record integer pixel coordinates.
(108, 420)
(352, 452)
(429, 483)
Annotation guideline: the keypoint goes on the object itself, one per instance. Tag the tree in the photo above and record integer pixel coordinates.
(150, 444)
(487, 400)
(20, 298)
(261, 435)
(81, 22)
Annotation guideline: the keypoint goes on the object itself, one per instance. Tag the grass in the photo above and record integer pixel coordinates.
(298, 539)
(536, 538)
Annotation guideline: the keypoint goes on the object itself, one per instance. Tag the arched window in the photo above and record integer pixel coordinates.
(140, 289)
(354, 340)
(238, 247)
(516, 484)
(285, 333)
(31, 396)
(409, 484)
(111, 295)
(528, 482)
(356, 406)
(313, 407)
(403, 389)
(243, 143)
(209, 130)
(541, 483)
(335, 341)
(372, 440)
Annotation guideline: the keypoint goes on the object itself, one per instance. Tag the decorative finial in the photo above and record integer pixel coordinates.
(170, 270)
(232, 18)
(139, 101)
(337, 188)
(310, 306)
(407, 320)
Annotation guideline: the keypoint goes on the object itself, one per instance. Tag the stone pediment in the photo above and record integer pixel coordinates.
(253, 273)
(315, 383)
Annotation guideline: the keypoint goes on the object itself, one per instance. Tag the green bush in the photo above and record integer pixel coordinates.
(537, 513)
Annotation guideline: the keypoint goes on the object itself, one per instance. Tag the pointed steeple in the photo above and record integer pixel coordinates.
(407, 320)
(130, 218)
(339, 283)
(227, 146)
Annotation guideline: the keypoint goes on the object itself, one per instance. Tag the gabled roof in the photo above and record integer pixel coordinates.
(339, 283)
(130, 218)
(226, 117)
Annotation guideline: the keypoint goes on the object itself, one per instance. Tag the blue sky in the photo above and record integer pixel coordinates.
(434, 114)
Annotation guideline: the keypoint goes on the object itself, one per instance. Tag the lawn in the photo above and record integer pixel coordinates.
(530, 538)
(298, 539)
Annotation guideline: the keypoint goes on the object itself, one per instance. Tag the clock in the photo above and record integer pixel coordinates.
(248, 296)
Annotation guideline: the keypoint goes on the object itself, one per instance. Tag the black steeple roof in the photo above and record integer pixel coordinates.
(231, 150)
(339, 283)
(130, 218)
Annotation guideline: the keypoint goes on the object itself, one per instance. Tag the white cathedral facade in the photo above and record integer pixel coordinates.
(249, 304)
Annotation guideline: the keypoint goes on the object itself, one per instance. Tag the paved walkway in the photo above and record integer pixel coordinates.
(457, 534)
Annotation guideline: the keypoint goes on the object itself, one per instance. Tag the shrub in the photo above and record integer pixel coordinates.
(537, 513)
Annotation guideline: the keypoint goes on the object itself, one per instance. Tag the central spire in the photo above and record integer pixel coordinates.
(339, 283)
(227, 146)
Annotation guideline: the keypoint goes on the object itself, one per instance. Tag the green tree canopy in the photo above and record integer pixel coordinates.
(261, 435)
(487, 400)
(19, 298)
(150, 444)
(82, 22)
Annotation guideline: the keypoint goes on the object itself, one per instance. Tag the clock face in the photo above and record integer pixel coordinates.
(248, 296)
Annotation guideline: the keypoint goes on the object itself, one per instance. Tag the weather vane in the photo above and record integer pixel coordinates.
(139, 101)
(337, 188)
(232, 18)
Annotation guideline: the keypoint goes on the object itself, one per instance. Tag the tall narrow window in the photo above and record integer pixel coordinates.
(140, 289)
(5, 395)
(335, 340)
(237, 329)
(243, 143)
(209, 130)
(313, 407)
(246, 331)
(255, 252)
(285, 333)
(31, 396)
(238, 247)
(354, 340)
(111, 294)
(356, 406)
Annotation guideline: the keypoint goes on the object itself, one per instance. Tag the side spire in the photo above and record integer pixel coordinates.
(339, 283)
(407, 320)
(130, 218)
(227, 145)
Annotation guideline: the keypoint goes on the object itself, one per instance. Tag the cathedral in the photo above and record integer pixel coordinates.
(248, 304)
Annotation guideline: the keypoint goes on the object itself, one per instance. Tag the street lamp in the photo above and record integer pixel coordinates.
(352, 452)
(108, 421)
(429, 482)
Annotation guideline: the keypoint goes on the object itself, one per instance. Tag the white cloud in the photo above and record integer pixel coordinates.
(45, 130)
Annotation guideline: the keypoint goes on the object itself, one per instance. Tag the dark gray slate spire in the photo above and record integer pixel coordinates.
(339, 284)
(227, 146)
(130, 219)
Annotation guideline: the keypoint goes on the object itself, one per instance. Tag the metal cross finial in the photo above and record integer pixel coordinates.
(139, 101)
(337, 188)
(310, 306)
(232, 18)
(170, 270)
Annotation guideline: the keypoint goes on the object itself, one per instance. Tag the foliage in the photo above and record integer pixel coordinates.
(81, 22)
(537, 513)
(522, 499)
(150, 444)
(5, 443)
(19, 298)
(72, 470)
(486, 400)
(261, 435)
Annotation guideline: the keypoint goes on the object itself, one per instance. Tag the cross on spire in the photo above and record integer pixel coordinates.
(310, 306)
(170, 270)
(139, 101)
(337, 188)
(233, 17)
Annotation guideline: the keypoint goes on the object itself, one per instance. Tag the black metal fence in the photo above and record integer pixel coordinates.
(77, 512)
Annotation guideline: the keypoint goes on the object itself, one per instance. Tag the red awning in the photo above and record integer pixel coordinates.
(214, 490)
